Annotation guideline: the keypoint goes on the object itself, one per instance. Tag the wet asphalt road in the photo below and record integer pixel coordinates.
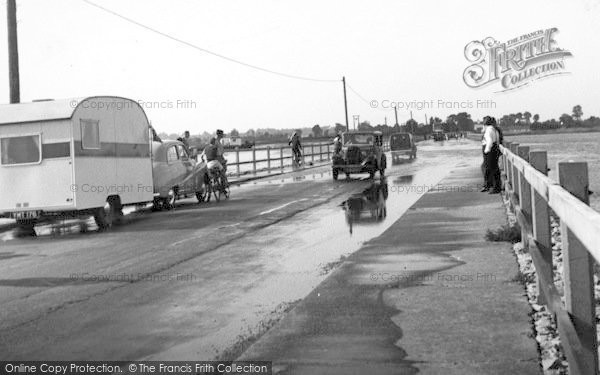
(192, 282)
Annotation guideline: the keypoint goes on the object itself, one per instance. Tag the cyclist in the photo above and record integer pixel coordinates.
(221, 157)
(294, 141)
(211, 155)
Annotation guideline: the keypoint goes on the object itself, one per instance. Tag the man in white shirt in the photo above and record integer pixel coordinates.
(491, 152)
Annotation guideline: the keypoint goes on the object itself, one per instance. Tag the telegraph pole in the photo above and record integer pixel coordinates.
(13, 52)
(396, 114)
(345, 103)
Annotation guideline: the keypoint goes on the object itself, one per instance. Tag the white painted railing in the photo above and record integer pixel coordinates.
(532, 194)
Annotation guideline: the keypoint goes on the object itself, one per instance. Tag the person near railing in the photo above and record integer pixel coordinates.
(491, 154)
(294, 141)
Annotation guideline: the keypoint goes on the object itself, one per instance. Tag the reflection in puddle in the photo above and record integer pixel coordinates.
(314, 176)
(397, 159)
(367, 207)
(403, 179)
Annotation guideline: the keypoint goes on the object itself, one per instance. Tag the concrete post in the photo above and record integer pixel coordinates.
(541, 220)
(524, 194)
(507, 169)
(578, 269)
(515, 174)
(269, 159)
(281, 156)
(237, 160)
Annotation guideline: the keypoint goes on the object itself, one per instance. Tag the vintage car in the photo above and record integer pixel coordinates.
(439, 136)
(402, 144)
(367, 207)
(361, 152)
(176, 175)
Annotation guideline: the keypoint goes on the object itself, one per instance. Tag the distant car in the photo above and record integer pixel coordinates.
(402, 144)
(176, 174)
(439, 136)
(362, 152)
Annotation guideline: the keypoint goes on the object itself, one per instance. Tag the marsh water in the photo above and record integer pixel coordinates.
(563, 147)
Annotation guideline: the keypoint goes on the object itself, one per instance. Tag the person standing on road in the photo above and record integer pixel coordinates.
(337, 144)
(491, 152)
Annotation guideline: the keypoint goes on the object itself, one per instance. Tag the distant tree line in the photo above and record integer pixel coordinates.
(526, 120)
(460, 122)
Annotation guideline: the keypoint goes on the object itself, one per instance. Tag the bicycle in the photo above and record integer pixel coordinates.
(296, 157)
(217, 184)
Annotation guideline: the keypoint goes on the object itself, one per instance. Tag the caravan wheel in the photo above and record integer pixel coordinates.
(26, 228)
(105, 216)
(110, 214)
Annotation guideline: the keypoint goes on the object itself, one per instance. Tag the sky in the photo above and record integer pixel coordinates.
(389, 51)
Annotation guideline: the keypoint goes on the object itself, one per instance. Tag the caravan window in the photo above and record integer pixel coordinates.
(21, 150)
(90, 134)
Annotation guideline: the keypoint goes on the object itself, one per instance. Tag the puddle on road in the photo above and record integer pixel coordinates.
(329, 232)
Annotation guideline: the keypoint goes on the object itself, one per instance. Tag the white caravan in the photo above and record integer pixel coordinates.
(74, 157)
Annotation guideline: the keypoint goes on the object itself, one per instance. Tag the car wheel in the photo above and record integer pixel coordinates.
(157, 204)
(169, 202)
(335, 173)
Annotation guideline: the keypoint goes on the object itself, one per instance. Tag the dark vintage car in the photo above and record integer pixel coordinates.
(402, 144)
(367, 207)
(362, 152)
(439, 136)
(176, 174)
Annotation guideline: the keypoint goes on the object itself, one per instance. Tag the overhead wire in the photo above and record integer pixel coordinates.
(369, 103)
(181, 41)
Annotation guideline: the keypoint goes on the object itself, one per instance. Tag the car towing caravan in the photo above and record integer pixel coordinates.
(74, 157)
